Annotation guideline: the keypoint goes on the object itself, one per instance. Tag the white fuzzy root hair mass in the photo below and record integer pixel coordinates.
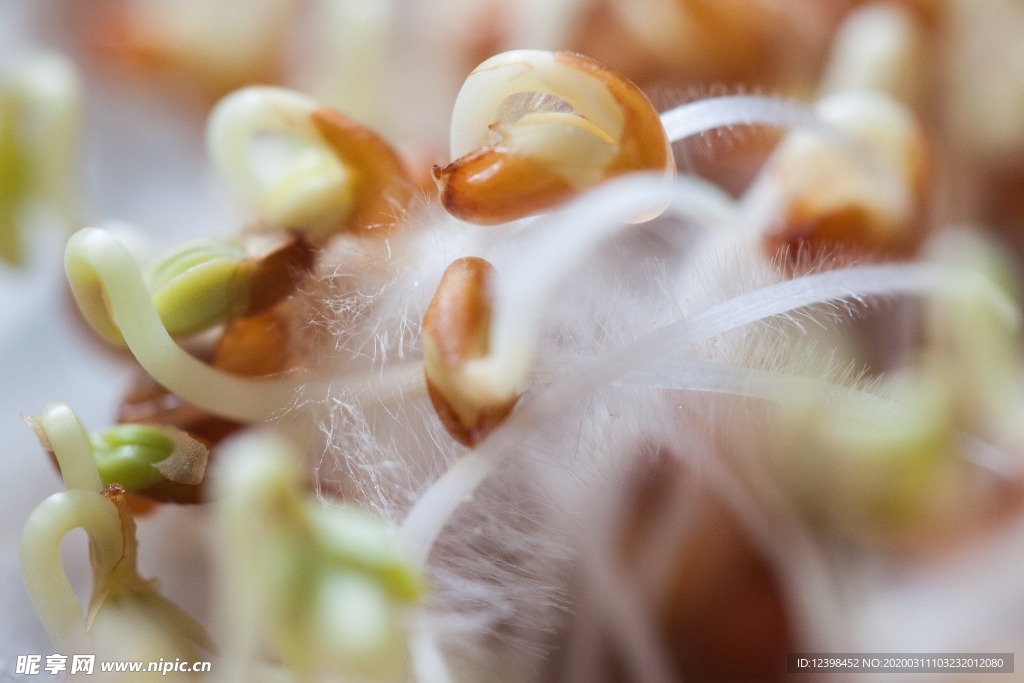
(642, 455)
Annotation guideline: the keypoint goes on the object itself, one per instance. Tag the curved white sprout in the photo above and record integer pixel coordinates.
(127, 616)
(305, 167)
(528, 71)
(44, 576)
(309, 184)
(66, 438)
(701, 116)
(109, 289)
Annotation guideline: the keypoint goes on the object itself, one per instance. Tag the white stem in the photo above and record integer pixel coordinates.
(720, 378)
(48, 587)
(855, 283)
(71, 447)
(100, 269)
(429, 665)
(701, 116)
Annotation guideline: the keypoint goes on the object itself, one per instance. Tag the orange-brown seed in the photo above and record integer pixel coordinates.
(456, 329)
